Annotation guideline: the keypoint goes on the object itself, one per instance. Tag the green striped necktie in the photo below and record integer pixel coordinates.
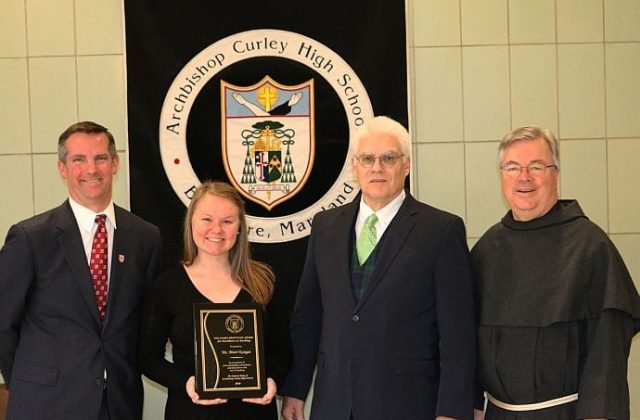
(368, 238)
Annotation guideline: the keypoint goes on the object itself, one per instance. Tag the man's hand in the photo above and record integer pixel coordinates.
(292, 409)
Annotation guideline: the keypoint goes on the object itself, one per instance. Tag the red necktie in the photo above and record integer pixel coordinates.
(98, 264)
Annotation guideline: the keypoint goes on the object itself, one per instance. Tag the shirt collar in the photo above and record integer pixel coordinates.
(86, 217)
(385, 214)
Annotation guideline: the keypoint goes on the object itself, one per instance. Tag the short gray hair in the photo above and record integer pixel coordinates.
(530, 133)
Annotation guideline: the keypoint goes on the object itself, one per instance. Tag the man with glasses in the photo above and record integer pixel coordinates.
(385, 304)
(557, 306)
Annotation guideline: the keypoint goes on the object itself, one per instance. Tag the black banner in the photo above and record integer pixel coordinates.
(208, 82)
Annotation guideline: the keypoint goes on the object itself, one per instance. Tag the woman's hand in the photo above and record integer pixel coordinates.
(266, 398)
(191, 392)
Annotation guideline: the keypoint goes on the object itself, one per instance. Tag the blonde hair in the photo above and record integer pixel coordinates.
(255, 277)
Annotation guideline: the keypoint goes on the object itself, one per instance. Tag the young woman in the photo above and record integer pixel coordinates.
(217, 267)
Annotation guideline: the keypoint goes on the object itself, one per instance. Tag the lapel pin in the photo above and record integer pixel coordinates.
(120, 258)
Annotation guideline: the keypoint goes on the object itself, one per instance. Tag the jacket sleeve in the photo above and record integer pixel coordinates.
(17, 274)
(153, 267)
(155, 327)
(305, 328)
(456, 324)
(278, 343)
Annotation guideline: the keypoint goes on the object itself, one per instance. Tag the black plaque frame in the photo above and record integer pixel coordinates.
(229, 349)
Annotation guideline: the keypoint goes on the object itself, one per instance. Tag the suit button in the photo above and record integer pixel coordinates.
(355, 318)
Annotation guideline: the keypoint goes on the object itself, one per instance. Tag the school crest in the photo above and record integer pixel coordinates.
(268, 138)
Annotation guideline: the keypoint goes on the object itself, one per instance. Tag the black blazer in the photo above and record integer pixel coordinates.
(53, 349)
(407, 349)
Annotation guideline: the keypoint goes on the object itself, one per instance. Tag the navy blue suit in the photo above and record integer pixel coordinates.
(53, 348)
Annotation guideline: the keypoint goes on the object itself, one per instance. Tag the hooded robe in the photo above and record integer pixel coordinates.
(557, 312)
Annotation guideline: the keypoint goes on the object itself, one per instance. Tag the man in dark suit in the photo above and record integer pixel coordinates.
(68, 332)
(390, 329)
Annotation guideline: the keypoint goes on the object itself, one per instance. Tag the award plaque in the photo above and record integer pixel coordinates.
(229, 350)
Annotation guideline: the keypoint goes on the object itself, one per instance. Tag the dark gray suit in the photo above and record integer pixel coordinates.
(53, 349)
(406, 350)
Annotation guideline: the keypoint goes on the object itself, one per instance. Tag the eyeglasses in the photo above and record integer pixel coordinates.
(387, 160)
(534, 169)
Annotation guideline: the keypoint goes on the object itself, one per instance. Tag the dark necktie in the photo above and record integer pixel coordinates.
(98, 264)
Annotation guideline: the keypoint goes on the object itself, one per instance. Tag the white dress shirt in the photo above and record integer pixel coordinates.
(86, 220)
(385, 215)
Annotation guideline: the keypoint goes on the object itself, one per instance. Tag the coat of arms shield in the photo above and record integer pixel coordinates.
(268, 142)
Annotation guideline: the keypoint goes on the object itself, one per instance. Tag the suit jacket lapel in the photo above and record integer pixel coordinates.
(70, 242)
(118, 259)
(394, 239)
(342, 248)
